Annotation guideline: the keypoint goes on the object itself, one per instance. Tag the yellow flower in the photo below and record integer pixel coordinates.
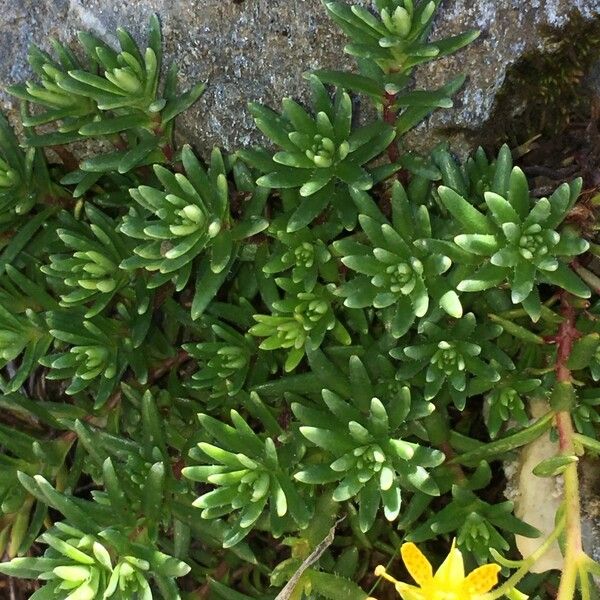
(449, 581)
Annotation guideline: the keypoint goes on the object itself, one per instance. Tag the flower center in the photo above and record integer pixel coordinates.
(443, 595)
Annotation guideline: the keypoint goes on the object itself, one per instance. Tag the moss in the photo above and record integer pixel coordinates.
(548, 90)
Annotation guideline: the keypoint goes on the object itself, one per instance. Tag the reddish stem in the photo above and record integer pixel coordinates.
(168, 365)
(218, 574)
(119, 142)
(168, 151)
(389, 116)
(448, 450)
(565, 339)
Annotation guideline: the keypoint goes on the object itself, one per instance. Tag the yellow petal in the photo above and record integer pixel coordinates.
(482, 579)
(451, 573)
(417, 565)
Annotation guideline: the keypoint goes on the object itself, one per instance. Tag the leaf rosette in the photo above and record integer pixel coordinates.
(188, 218)
(250, 475)
(90, 262)
(516, 241)
(301, 320)
(393, 273)
(320, 155)
(450, 354)
(365, 454)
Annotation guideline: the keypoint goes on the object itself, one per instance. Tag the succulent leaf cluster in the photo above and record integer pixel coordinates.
(77, 564)
(450, 355)
(396, 37)
(321, 156)
(477, 524)
(388, 43)
(189, 217)
(305, 252)
(515, 239)
(208, 367)
(24, 333)
(365, 455)
(224, 363)
(107, 92)
(249, 478)
(90, 261)
(393, 273)
(300, 321)
(507, 401)
(24, 177)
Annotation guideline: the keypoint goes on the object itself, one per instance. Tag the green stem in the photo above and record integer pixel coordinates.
(438, 430)
(565, 339)
(584, 582)
(527, 564)
(573, 544)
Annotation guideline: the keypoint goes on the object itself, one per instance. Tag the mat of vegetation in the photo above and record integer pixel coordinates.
(272, 374)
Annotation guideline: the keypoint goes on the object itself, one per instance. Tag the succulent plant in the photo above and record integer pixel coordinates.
(393, 273)
(452, 354)
(249, 478)
(361, 329)
(187, 219)
(320, 155)
(90, 263)
(301, 321)
(365, 454)
(516, 240)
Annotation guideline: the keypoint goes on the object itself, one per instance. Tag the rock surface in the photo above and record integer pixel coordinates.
(590, 506)
(259, 49)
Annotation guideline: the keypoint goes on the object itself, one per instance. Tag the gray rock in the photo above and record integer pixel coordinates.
(259, 49)
(590, 507)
